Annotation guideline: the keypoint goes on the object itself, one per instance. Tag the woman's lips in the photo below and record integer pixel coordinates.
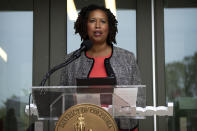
(97, 33)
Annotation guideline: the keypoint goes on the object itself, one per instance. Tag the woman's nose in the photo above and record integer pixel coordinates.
(97, 24)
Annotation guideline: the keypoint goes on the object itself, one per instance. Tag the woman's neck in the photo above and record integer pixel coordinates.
(100, 50)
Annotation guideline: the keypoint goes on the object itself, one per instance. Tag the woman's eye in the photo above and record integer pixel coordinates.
(92, 20)
(103, 21)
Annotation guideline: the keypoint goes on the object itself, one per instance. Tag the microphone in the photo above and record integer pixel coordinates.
(85, 45)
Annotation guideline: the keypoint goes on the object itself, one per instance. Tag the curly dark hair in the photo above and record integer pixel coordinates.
(81, 23)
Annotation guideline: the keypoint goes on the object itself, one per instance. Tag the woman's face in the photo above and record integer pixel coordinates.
(97, 26)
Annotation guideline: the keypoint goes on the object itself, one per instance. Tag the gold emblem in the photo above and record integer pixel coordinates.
(86, 117)
(80, 124)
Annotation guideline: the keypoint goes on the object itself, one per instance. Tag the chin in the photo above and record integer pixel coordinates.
(98, 40)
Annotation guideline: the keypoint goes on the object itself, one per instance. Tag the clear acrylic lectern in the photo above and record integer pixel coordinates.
(119, 101)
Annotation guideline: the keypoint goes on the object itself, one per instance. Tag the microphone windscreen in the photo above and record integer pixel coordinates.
(88, 44)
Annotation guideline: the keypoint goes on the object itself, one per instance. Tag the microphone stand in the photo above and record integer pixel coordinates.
(75, 55)
(86, 45)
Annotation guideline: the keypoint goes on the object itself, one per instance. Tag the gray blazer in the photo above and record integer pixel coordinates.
(124, 67)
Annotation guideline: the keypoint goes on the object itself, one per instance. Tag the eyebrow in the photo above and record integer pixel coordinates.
(99, 18)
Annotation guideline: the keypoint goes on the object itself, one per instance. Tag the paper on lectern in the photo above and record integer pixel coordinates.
(124, 100)
(129, 95)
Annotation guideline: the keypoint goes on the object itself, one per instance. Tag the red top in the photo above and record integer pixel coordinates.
(98, 69)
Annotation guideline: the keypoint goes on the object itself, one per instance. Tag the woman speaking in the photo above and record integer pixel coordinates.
(99, 25)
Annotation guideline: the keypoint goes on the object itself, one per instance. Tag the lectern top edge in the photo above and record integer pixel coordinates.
(103, 86)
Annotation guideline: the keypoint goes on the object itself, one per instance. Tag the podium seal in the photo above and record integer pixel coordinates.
(86, 117)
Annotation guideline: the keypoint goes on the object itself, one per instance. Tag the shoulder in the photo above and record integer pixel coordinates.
(120, 52)
(77, 63)
(68, 55)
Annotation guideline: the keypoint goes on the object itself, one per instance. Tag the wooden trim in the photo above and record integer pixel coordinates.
(58, 36)
(144, 55)
(162, 124)
(40, 40)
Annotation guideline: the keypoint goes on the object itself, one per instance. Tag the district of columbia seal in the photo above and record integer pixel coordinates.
(86, 117)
